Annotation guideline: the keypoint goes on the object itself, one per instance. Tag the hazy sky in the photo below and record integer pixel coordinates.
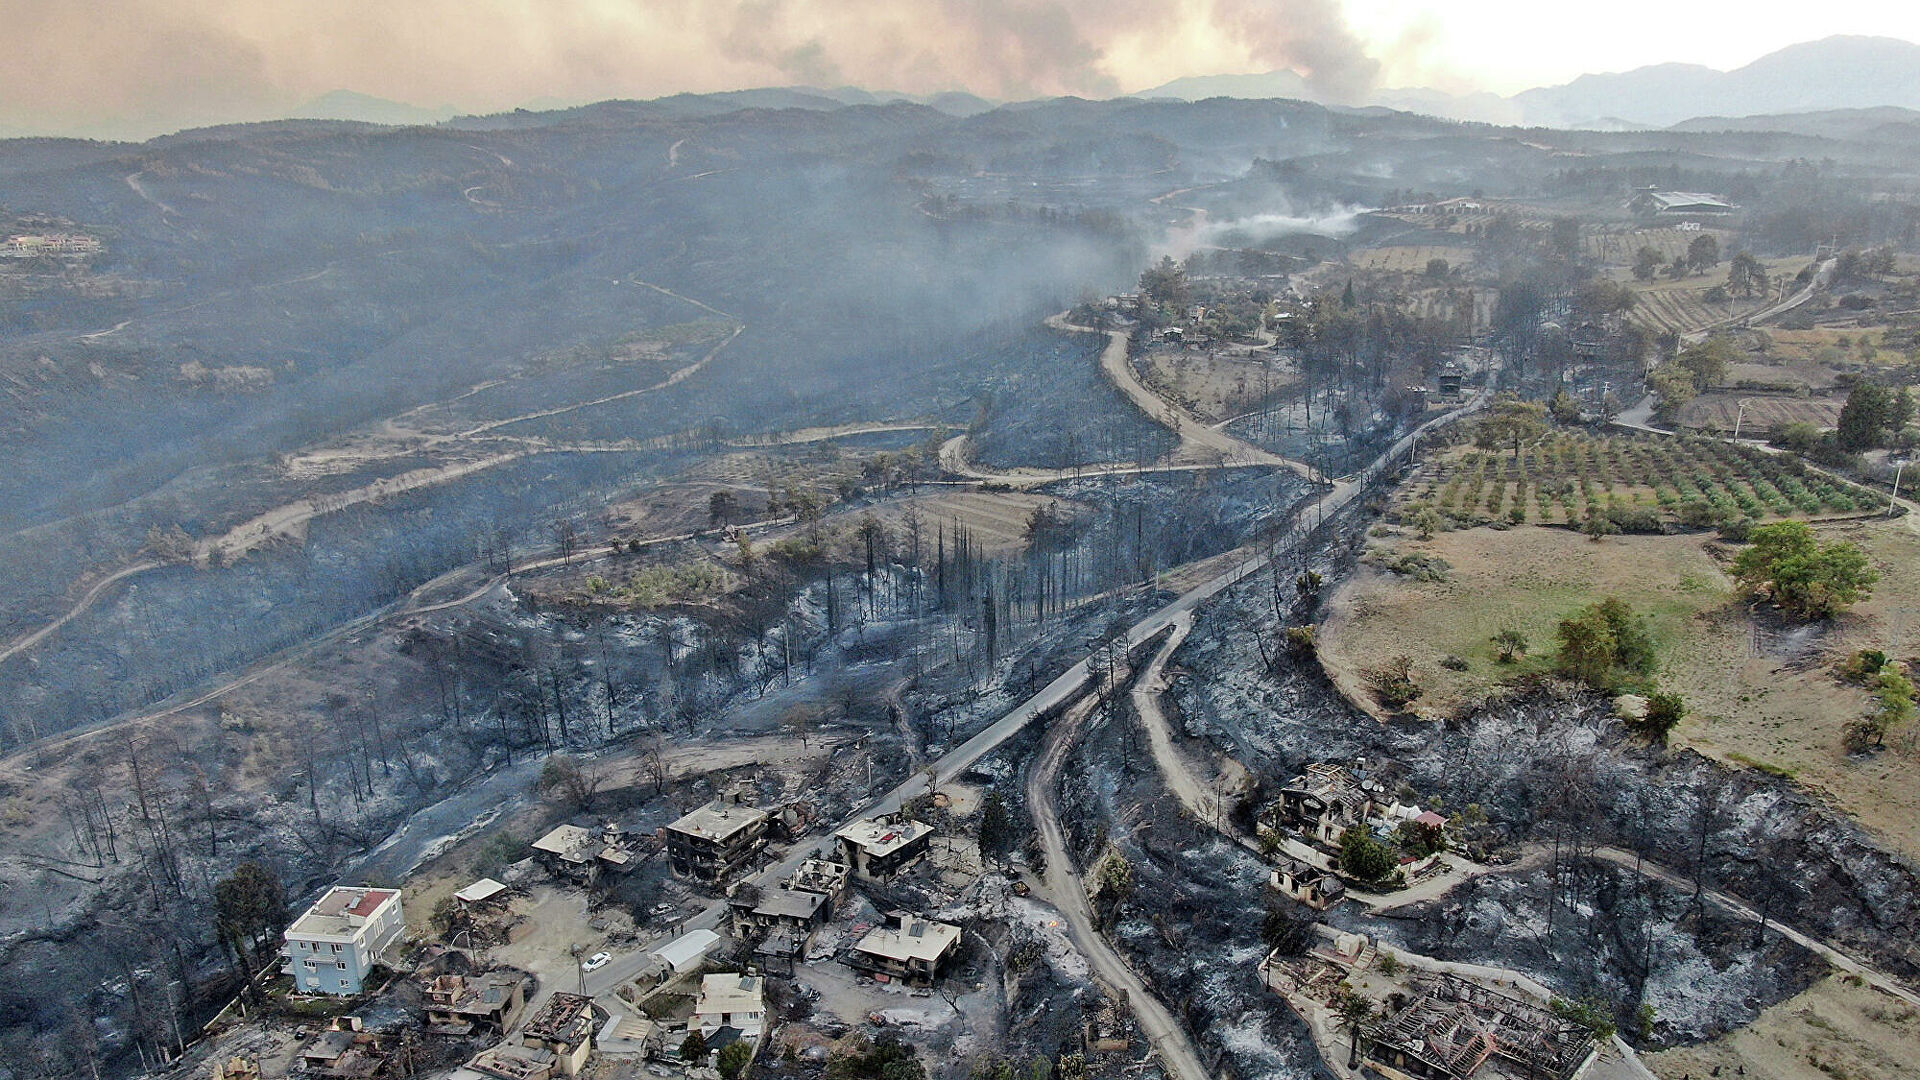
(146, 65)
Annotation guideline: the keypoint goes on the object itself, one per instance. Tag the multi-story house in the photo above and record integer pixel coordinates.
(331, 948)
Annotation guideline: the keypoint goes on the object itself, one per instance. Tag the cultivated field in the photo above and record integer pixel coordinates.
(1766, 413)
(1759, 694)
(1669, 306)
(1558, 479)
(1835, 345)
(1620, 248)
(1410, 258)
(1220, 387)
(996, 520)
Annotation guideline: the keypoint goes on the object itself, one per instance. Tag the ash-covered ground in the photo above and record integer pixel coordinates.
(1549, 764)
(1192, 925)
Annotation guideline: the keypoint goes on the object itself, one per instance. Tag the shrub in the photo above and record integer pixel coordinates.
(1601, 643)
(734, 1060)
(1511, 642)
(1393, 682)
(1454, 663)
(1664, 712)
(1302, 640)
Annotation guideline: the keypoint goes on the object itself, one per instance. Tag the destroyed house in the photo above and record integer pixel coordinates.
(717, 841)
(907, 948)
(564, 1027)
(878, 848)
(1309, 884)
(508, 1062)
(343, 1052)
(332, 947)
(582, 854)
(1453, 1026)
(462, 1004)
(821, 876)
(1323, 802)
(795, 911)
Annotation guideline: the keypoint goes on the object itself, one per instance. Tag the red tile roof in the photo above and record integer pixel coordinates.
(370, 902)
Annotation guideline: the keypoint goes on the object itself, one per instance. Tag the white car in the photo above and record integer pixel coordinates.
(597, 961)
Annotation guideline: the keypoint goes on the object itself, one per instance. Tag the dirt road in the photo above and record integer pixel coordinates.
(1065, 889)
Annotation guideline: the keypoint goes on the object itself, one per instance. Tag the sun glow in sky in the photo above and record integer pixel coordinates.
(119, 66)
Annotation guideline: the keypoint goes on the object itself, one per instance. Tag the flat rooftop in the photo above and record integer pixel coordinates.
(789, 904)
(730, 993)
(880, 839)
(340, 912)
(718, 821)
(913, 939)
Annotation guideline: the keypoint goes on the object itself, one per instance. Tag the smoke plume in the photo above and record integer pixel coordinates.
(145, 65)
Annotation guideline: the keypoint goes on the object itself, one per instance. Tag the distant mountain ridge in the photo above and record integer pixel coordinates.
(1843, 72)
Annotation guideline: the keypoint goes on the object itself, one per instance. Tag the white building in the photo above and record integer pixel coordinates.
(731, 1001)
(332, 947)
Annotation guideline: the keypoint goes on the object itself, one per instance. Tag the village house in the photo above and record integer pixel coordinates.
(462, 1004)
(563, 1027)
(580, 854)
(795, 911)
(822, 876)
(1311, 885)
(910, 949)
(344, 1051)
(1451, 1026)
(878, 848)
(730, 1007)
(717, 841)
(1323, 802)
(510, 1061)
(332, 946)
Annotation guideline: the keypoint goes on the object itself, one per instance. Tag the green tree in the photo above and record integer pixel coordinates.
(1603, 641)
(693, 1048)
(721, 506)
(1746, 275)
(1166, 284)
(1511, 642)
(997, 831)
(1806, 578)
(1354, 1012)
(1673, 386)
(1365, 858)
(1664, 713)
(734, 1060)
(249, 905)
(1438, 269)
(1709, 361)
(1703, 254)
(1511, 423)
(1866, 418)
(1646, 263)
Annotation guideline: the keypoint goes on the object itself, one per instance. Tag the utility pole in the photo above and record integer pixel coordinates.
(1738, 417)
(1899, 466)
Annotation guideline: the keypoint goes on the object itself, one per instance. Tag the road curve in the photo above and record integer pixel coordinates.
(1068, 892)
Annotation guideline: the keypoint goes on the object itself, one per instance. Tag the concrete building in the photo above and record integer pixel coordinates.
(563, 1027)
(733, 1001)
(717, 841)
(1323, 802)
(907, 948)
(581, 854)
(822, 876)
(331, 948)
(796, 911)
(878, 848)
(461, 1005)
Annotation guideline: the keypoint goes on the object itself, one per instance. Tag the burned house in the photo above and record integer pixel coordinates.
(464, 1004)
(910, 949)
(1322, 803)
(822, 876)
(344, 1051)
(1451, 1026)
(715, 842)
(795, 911)
(1317, 888)
(878, 848)
(563, 1027)
(579, 854)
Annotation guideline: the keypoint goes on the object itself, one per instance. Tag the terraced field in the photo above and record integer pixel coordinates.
(1619, 248)
(1559, 479)
(1765, 413)
(1410, 258)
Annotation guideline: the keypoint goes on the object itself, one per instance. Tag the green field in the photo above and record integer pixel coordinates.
(1558, 478)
